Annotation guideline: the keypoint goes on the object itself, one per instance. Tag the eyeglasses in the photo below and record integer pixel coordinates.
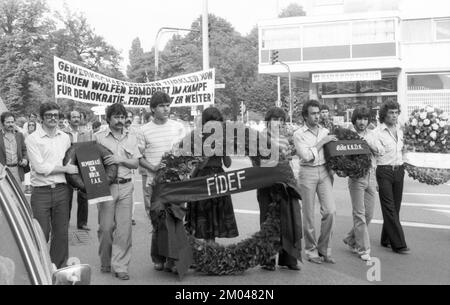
(51, 115)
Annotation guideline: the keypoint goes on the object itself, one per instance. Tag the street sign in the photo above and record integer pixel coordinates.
(219, 86)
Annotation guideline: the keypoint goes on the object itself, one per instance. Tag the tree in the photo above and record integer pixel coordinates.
(78, 43)
(292, 10)
(24, 42)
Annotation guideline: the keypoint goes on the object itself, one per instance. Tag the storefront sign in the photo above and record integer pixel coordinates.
(352, 76)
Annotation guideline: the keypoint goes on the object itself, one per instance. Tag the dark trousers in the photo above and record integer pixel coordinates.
(264, 200)
(390, 184)
(83, 207)
(51, 208)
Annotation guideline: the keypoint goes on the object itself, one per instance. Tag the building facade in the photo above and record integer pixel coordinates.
(356, 52)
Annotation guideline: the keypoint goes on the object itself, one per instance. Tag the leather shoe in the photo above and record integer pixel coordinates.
(385, 245)
(268, 267)
(105, 269)
(315, 260)
(159, 266)
(405, 250)
(84, 228)
(133, 222)
(294, 267)
(122, 276)
(327, 259)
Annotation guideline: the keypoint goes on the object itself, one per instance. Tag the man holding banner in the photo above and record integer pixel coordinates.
(115, 216)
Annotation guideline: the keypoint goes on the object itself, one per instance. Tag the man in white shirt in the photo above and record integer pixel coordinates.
(314, 178)
(46, 149)
(156, 138)
(390, 174)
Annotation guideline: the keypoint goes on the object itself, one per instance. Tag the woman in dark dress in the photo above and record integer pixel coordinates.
(211, 218)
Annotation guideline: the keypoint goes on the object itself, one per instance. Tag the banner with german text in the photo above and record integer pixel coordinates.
(83, 85)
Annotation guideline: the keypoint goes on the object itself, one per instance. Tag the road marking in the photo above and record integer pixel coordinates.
(427, 194)
(425, 205)
(440, 211)
(246, 212)
(375, 221)
(416, 225)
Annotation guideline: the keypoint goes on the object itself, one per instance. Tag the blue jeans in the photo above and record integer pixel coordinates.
(362, 193)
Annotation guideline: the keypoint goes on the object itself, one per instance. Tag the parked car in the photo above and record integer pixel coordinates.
(24, 254)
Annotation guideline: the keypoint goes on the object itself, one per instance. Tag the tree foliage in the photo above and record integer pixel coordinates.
(29, 38)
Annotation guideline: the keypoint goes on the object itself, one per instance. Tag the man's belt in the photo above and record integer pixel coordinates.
(12, 165)
(121, 181)
(51, 186)
(392, 167)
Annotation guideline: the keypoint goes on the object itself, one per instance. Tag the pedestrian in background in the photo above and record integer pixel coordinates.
(13, 152)
(78, 136)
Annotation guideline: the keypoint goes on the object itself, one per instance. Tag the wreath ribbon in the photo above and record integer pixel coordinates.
(167, 198)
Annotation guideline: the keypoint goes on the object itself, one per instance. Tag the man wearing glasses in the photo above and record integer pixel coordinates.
(50, 197)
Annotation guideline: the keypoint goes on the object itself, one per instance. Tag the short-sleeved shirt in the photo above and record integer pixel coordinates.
(45, 153)
(155, 140)
(393, 148)
(305, 143)
(125, 147)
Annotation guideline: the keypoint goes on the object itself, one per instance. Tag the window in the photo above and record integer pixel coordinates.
(281, 38)
(332, 34)
(417, 30)
(443, 29)
(12, 265)
(373, 31)
(423, 82)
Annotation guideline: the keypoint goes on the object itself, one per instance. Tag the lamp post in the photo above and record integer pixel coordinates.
(160, 31)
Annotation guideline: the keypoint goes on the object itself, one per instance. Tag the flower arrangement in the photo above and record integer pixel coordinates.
(353, 166)
(427, 131)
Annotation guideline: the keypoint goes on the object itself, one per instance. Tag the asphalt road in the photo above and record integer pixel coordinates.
(425, 215)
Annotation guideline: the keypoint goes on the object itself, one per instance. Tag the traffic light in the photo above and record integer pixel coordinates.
(243, 108)
(274, 57)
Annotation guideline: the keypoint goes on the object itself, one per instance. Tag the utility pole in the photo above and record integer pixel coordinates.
(160, 31)
(274, 60)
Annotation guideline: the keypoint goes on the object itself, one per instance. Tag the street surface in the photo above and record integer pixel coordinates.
(425, 214)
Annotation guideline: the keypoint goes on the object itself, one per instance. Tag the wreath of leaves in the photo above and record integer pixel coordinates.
(213, 258)
(427, 130)
(430, 176)
(353, 166)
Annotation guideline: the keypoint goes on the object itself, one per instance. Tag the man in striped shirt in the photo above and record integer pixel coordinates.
(156, 138)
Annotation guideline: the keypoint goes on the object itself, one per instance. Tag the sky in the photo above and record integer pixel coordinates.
(120, 21)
